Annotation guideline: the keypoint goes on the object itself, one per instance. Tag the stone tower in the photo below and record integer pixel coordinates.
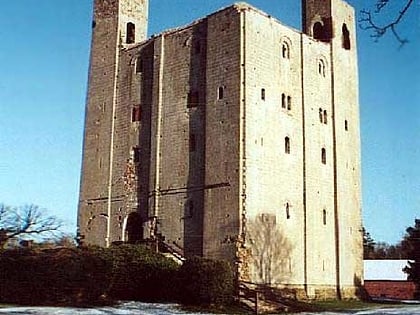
(333, 22)
(235, 137)
(116, 24)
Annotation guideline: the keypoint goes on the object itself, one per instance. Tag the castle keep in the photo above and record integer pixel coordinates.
(234, 137)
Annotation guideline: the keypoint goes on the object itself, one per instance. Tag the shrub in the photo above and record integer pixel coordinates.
(205, 281)
(141, 274)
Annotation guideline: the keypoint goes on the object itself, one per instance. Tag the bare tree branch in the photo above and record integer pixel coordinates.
(367, 21)
(25, 222)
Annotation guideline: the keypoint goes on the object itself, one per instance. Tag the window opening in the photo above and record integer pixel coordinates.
(283, 100)
(139, 65)
(287, 145)
(321, 117)
(263, 94)
(136, 114)
(321, 67)
(289, 103)
(287, 211)
(131, 32)
(324, 156)
(319, 31)
(193, 98)
(325, 117)
(285, 50)
(346, 125)
(324, 217)
(135, 154)
(220, 93)
(346, 37)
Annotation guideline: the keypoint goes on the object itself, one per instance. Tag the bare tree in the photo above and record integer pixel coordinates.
(368, 20)
(26, 222)
(270, 250)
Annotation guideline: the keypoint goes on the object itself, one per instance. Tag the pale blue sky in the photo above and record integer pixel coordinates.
(44, 55)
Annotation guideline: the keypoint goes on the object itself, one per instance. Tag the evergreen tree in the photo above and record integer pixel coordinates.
(411, 244)
(368, 245)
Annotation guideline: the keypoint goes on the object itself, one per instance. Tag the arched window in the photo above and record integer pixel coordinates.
(323, 156)
(287, 211)
(285, 50)
(324, 217)
(139, 65)
(287, 145)
(318, 31)
(131, 33)
(321, 67)
(346, 37)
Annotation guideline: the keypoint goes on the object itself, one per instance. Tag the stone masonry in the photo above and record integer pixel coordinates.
(235, 137)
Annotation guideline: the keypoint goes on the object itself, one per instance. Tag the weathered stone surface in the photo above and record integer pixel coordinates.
(235, 137)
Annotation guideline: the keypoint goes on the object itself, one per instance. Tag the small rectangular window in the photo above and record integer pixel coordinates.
(289, 103)
(263, 94)
(220, 93)
(193, 99)
(283, 100)
(287, 145)
(346, 125)
(136, 114)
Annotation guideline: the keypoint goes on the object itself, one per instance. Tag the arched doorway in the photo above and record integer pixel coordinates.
(132, 228)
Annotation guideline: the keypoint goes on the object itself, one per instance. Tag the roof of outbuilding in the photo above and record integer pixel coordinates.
(385, 270)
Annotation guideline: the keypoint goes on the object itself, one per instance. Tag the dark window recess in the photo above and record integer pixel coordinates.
(131, 33)
(193, 99)
(325, 117)
(136, 114)
(193, 143)
(346, 125)
(263, 94)
(321, 116)
(139, 65)
(287, 145)
(220, 93)
(319, 31)
(136, 154)
(321, 67)
(324, 217)
(289, 103)
(346, 37)
(285, 51)
(323, 156)
(283, 100)
(287, 211)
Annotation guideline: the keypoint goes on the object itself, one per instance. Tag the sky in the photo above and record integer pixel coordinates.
(44, 58)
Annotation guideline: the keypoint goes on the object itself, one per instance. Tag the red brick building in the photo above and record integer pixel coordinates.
(385, 279)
